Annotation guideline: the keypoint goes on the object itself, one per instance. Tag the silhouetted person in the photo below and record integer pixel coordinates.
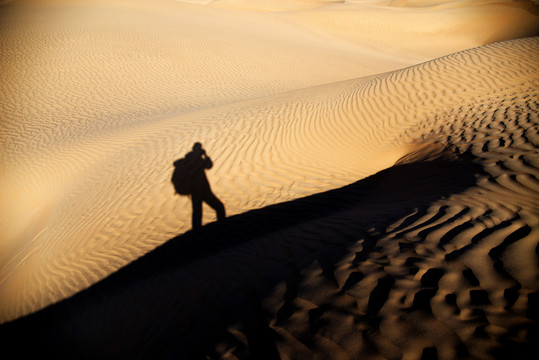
(189, 178)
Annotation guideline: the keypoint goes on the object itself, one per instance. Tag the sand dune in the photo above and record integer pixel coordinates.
(383, 200)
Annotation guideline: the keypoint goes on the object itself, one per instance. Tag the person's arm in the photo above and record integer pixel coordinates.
(208, 164)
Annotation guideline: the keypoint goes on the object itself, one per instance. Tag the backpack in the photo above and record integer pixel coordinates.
(182, 177)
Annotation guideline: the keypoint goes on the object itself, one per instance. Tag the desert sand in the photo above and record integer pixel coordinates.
(378, 161)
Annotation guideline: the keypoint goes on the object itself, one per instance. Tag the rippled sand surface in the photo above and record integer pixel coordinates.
(378, 162)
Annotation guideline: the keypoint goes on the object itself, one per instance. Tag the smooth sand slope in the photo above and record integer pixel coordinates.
(436, 255)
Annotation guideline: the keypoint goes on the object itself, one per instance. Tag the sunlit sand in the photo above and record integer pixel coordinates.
(378, 161)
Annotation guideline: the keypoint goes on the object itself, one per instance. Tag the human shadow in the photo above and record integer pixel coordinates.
(189, 178)
(189, 294)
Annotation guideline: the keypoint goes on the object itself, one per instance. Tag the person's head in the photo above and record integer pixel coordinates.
(197, 146)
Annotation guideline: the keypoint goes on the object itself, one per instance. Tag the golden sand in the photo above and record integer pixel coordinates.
(292, 99)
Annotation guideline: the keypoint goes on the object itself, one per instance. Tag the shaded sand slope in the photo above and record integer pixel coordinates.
(435, 256)
(188, 291)
(78, 208)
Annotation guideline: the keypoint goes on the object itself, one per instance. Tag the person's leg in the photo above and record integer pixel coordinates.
(217, 205)
(197, 212)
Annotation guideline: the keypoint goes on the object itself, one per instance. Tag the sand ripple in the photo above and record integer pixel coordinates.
(311, 140)
(365, 212)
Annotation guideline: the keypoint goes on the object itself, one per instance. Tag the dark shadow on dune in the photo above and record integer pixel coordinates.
(182, 299)
(189, 178)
